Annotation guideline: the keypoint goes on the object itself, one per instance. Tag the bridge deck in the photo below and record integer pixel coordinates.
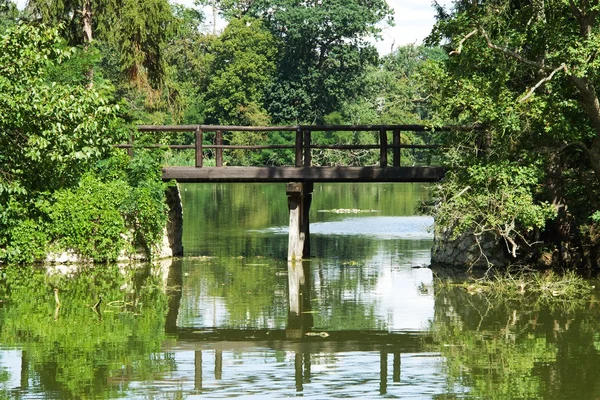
(303, 174)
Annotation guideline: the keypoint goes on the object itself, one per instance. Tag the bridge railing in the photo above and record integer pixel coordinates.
(303, 145)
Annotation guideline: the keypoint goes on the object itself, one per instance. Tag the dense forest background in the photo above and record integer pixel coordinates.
(77, 75)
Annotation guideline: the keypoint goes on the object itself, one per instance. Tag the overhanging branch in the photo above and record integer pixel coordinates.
(462, 41)
(542, 81)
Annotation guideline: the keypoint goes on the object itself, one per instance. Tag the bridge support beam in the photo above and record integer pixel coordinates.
(299, 196)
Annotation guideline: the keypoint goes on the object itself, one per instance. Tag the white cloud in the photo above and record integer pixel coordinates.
(413, 22)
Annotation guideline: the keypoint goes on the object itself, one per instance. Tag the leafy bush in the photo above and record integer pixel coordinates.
(88, 219)
(119, 207)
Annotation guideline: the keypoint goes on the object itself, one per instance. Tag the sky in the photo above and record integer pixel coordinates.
(413, 22)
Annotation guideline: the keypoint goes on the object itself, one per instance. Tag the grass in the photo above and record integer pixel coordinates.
(544, 288)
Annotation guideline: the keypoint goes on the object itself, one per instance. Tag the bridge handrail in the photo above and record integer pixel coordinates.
(302, 145)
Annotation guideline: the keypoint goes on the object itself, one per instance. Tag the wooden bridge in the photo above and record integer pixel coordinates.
(300, 176)
(303, 169)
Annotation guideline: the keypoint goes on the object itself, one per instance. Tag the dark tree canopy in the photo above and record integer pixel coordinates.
(528, 71)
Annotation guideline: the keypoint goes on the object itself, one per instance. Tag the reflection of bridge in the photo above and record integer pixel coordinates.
(301, 176)
(299, 337)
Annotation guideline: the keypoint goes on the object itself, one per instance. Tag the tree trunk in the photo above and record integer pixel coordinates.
(86, 17)
(562, 231)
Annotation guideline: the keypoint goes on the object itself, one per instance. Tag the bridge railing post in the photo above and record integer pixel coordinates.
(396, 140)
(298, 158)
(198, 148)
(130, 149)
(307, 155)
(219, 152)
(383, 148)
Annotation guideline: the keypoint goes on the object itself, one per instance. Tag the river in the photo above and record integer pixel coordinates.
(364, 317)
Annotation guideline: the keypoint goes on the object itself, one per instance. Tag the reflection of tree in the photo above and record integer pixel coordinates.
(220, 218)
(502, 349)
(252, 290)
(77, 355)
(339, 295)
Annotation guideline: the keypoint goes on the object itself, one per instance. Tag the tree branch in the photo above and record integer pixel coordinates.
(542, 81)
(511, 53)
(460, 44)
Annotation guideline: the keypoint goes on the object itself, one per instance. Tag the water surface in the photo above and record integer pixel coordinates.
(363, 317)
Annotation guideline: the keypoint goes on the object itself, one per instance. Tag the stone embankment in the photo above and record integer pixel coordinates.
(466, 251)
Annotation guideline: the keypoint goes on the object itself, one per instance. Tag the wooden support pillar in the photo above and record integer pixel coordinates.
(296, 282)
(299, 199)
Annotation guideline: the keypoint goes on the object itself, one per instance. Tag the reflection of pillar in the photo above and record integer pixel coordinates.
(218, 364)
(298, 369)
(307, 367)
(175, 282)
(24, 370)
(198, 370)
(396, 373)
(383, 372)
(299, 317)
(299, 199)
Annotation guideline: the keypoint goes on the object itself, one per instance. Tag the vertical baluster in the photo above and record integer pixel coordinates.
(130, 149)
(219, 142)
(383, 147)
(396, 147)
(307, 155)
(198, 147)
(298, 147)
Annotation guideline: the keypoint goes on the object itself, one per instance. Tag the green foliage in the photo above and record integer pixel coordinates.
(498, 198)
(243, 66)
(87, 219)
(137, 30)
(523, 70)
(52, 131)
(323, 51)
(25, 239)
(8, 14)
(121, 208)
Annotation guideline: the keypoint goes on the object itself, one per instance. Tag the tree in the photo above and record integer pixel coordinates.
(323, 51)
(137, 29)
(8, 14)
(242, 69)
(528, 71)
(51, 132)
